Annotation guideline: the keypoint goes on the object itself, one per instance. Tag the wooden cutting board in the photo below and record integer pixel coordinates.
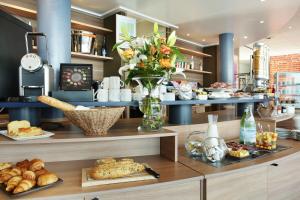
(87, 181)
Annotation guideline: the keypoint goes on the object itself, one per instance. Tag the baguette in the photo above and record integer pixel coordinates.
(56, 103)
(117, 169)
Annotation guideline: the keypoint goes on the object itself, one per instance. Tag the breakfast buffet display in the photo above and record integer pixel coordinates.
(25, 177)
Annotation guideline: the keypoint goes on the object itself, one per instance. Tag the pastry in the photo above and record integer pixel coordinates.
(13, 172)
(13, 182)
(5, 165)
(30, 175)
(30, 131)
(41, 172)
(23, 164)
(241, 153)
(36, 164)
(47, 179)
(24, 185)
(116, 169)
(14, 126)
(56, 103)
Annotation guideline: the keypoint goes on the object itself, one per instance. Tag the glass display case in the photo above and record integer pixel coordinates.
(288, 88)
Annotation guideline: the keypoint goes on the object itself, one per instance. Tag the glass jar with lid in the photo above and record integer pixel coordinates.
(193, 143)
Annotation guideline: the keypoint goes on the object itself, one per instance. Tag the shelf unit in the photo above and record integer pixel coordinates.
(32, 14)
(84, 56)
(192, 52)
(196, 71)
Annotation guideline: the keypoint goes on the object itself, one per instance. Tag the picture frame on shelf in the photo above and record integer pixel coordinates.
(127, 23)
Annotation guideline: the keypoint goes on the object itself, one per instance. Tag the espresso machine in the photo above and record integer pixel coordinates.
(35, 76)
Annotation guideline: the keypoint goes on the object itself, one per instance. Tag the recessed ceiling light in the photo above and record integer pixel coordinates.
(262, 0)
(188, 34)
(290, 27)
(203, 40)
(245, 37)
(261, 21)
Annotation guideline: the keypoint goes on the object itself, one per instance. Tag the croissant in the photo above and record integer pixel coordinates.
(47, 179)
(6, 176)
(36, 164)
(12, 183)
(24, 185)
(29, 175)
(40, 172)
(23, 164)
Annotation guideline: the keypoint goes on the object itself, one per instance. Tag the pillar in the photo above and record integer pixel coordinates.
(54, 19)
(226, 57)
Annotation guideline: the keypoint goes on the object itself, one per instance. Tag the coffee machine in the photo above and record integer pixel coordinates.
(35, 76)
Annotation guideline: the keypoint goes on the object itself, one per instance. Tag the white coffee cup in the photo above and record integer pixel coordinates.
(169, 96)
(101, 95)
(137, 96)
(115, 82)
(105, 83)
(114, 95)
(126, 95)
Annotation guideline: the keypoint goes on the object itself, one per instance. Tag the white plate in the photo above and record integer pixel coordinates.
(45, 134)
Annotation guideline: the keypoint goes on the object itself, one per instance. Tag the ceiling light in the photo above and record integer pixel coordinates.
(262, 0)
(290, 27)
(261, 21)
(245, 37)
(188, 34)
(203, 40)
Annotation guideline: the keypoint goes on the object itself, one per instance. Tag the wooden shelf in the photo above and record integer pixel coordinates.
(84, 56)
(90, 56)
(32, 14)
(192, 52)
(88, 27)
(197, 71)
(76, 136)
(70, 172)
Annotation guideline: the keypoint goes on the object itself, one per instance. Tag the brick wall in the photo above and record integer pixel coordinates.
(286, 63)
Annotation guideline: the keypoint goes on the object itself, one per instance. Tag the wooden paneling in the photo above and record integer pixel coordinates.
(284, 179)
(246, 185)
(176, 191)
(227, 130)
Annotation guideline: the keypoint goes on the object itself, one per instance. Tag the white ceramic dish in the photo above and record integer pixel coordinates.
(45, 134)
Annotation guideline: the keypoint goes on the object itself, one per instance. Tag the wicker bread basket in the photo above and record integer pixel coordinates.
(95, 122)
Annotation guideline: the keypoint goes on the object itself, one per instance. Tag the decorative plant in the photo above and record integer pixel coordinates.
(149, 61)
(148, 56)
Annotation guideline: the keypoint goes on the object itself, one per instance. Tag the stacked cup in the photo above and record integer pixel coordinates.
(110, 90)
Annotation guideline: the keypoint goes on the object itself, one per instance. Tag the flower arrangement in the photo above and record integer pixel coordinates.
(149, 61)
(148, 56)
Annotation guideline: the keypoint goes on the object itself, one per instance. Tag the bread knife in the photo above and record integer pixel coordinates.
(150, 171)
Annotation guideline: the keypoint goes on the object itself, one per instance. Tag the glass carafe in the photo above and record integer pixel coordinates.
(212, 126)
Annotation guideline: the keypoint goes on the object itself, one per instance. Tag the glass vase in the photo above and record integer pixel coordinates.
(150, 105)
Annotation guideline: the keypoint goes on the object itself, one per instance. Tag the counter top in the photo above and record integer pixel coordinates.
(70, 172)
(135, 103)
(210, 171)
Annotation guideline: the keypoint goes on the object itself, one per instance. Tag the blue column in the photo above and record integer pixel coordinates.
(54, 19)
(226, 57)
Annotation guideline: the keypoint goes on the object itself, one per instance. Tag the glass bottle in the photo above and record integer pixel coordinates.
(103, 51)
(248, 128)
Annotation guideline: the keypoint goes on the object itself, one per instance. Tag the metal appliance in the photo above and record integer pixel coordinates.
(35, 77)
(260, 65)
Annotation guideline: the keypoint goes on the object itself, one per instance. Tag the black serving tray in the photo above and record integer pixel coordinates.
(34, 189)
